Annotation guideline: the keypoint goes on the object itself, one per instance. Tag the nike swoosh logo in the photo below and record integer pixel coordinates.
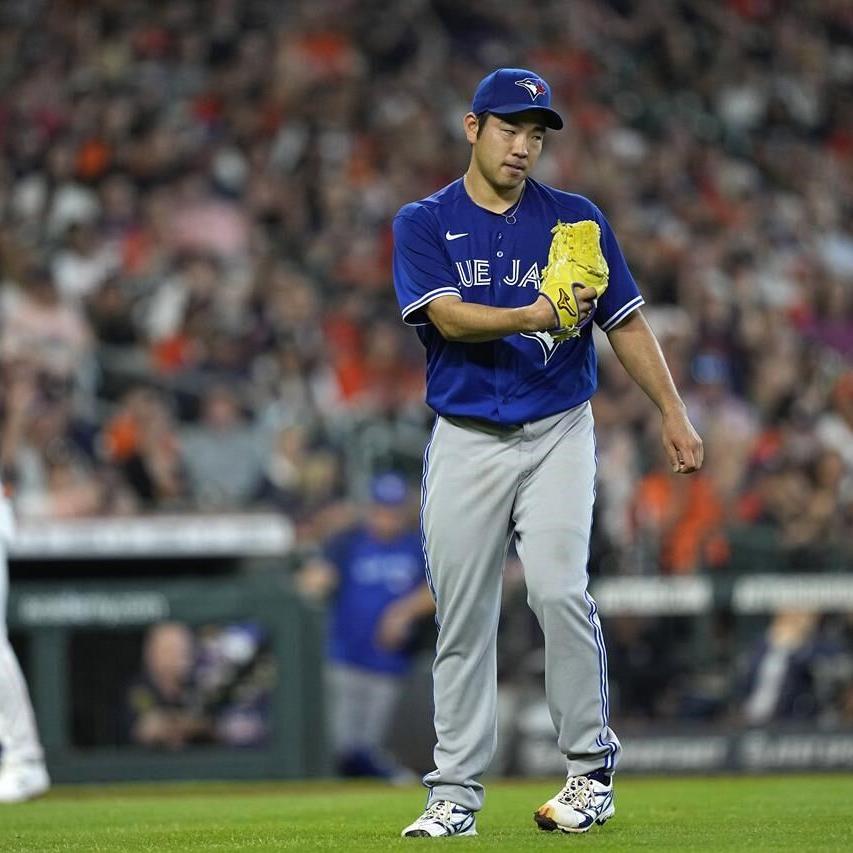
(449, 236)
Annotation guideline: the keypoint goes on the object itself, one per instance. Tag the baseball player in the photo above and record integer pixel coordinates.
(22, 771)
(375, 571)
(512, 451)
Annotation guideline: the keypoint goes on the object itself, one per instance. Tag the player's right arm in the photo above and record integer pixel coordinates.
(317, 579)
(428, 290)
(471, 323)
(399, 617)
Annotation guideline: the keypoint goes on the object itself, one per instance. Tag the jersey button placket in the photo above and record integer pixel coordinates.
(503, 396)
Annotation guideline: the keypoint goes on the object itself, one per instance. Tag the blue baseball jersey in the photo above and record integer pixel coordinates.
(446, 245)
(373, 573)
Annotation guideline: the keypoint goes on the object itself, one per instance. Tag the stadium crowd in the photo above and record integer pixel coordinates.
(195, 207)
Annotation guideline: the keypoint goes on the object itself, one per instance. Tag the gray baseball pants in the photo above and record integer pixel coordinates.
(483, 484)
(362, 706)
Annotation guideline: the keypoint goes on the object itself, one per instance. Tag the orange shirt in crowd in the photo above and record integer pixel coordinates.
(687, 515)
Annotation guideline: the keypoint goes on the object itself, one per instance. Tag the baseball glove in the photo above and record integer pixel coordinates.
(575, 257)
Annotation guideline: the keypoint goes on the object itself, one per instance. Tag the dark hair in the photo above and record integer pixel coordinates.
(481, 122)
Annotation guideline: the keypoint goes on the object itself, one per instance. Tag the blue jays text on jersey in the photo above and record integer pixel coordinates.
(447, 245)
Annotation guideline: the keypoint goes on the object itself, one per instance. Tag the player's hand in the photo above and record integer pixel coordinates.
(585, 297)
(542, 315)
(395, 626)
(545, 318)
(316, 579)
(681, 442)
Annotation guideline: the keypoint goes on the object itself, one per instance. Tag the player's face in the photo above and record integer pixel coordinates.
(506, 151)
(386, 522)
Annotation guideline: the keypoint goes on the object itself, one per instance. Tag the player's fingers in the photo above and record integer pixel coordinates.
(585, 297)
(673, 456)
(588, 294)
(695, 452)
(699, 453)
(685, 467)
(688, 462)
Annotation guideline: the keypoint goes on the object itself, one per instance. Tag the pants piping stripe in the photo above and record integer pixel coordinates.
(592, 617)
(427, 572)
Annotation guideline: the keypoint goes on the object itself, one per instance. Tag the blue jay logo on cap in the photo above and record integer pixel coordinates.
(534, 88)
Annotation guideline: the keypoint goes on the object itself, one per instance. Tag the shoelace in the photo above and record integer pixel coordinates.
(440, 811)
(577, 793)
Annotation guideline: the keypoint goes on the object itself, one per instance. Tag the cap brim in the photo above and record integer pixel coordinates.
(552, 117)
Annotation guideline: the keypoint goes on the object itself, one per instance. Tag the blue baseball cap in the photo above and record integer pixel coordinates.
(389, 489)
(710, 368)
(515, 90)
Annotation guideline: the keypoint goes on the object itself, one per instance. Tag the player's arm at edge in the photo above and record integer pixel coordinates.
(468, 322)
(638, 349)
(317, 579)
(397, 621)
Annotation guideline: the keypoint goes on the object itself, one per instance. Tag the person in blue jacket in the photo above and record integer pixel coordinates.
(374, 574)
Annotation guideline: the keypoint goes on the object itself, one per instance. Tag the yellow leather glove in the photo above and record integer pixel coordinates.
(575, 257)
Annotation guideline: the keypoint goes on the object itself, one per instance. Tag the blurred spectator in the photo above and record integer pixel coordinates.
(302, 476)
(142, 440)
(799, 501)
(110, 312)
(835, 428)
(37, 326)
(54, 468)
(165, 705)
(799, 670)
(222, 454)
(82, 266)
(677, 521)
(727, 423)
(374, 572)
(210, 686)
(237, 675)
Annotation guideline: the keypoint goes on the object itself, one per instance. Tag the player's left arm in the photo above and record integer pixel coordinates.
(637, 348)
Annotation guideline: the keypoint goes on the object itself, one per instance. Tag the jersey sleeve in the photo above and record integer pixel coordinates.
(422, 270)
(622, 296)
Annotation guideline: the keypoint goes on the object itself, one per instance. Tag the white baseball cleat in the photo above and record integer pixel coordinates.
(582, 802)
(442, 818)
(22, 781)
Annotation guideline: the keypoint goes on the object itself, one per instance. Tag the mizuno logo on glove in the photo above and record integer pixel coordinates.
(567, 303)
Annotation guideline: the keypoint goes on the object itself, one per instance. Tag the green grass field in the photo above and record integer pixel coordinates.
(723, 813)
